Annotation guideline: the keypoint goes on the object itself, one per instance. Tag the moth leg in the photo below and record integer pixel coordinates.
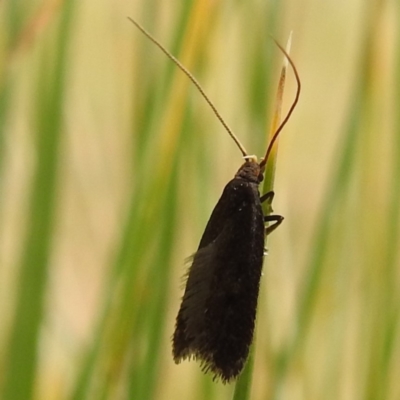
(277, 219)
(269, 196)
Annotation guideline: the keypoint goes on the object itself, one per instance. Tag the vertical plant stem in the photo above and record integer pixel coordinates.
(22, 359)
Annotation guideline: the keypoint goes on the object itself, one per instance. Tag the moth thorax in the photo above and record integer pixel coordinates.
(250, 171)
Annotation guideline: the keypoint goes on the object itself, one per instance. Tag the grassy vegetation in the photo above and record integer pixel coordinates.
(111, 162)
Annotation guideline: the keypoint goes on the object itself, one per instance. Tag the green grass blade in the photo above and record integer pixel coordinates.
(21, 362)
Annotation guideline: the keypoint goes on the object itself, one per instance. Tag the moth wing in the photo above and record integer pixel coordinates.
(216, 320)
(226, 207)
(190, 319)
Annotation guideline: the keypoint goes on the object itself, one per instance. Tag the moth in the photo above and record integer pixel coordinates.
(216, 319)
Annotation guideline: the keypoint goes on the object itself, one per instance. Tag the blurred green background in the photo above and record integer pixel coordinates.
(110, 165)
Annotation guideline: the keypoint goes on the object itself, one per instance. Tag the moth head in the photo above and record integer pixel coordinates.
(250, 170)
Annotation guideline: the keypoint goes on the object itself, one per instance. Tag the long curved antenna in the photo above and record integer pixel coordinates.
(292, 107)
(194, 81)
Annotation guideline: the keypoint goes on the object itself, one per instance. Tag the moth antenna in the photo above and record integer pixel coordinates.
(292, 107)
(194, 81)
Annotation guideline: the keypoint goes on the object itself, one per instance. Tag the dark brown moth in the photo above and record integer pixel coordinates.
(216, 319)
